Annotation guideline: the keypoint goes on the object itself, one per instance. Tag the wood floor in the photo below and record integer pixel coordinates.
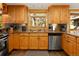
(37, 53)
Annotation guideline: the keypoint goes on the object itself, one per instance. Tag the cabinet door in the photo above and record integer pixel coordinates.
(77, 46)
(54, 14)
(71, 45)
(77, 49)
(16, 41)
(74, 47)
(11, 13)
(33, 43)
(20, 14)
(64, 18)
(23, 42)
(63, 41)
(43, 42)
(10, 42)
(50, 15)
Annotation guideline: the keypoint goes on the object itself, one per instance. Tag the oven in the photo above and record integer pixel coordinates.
(3, 45)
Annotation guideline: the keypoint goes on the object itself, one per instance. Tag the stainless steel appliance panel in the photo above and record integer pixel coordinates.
(55, 42)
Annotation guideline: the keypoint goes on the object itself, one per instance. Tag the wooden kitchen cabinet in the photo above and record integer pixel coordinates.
(77, 50)
(65, 44)
(33, 42)
(65, 15)
(43, 42)
(11, 13)
(18, 13)
(69, 44)
(24, 41)
(72, 45)
(63, 40)
(16, 41)
(54, 14)
(77, 46)
(28, 41)
(58, 14)
(38, 41)
(10, 42)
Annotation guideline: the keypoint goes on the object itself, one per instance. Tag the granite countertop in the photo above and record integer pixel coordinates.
(73, 33)
(35, 32)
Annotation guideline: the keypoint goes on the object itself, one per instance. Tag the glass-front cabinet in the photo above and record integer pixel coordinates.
(38, 21)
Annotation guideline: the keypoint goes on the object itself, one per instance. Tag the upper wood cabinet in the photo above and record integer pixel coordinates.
(11, 13)
(54, 14)
(18, 13)
(65, 15)
(58, 14)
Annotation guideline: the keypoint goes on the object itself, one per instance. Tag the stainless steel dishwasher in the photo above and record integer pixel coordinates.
(54, 41)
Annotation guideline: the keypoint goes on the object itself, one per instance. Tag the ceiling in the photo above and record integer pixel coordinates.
(45, 5)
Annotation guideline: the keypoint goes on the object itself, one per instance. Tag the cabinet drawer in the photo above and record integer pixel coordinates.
(73, 39)
(43, 34)
(33, 34)
(24, 34)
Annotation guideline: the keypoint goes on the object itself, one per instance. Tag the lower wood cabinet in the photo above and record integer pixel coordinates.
(24, 41)
(77, 46)
(33, 42)
(69, 44)
(63, 41)
(72, 49)
(38, 41)
(10, 42)
(16, 40)
(43, 42)
(72, 45)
